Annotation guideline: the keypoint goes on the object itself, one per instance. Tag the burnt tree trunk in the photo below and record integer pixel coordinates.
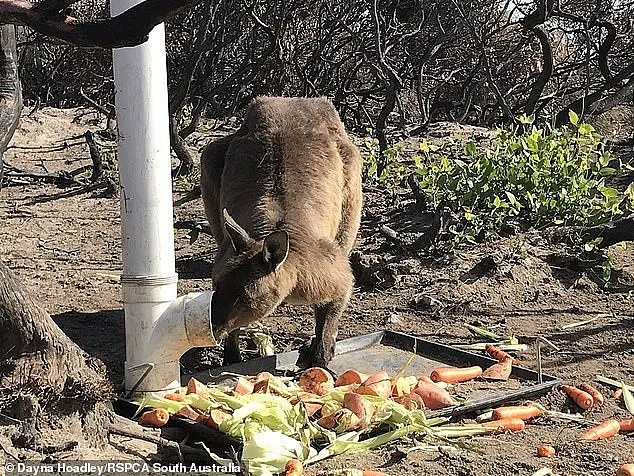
(10, 91)
(42, 372)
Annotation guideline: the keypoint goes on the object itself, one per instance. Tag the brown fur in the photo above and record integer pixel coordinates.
(289, 175)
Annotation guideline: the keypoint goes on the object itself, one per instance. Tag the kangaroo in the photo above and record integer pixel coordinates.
(283, 199)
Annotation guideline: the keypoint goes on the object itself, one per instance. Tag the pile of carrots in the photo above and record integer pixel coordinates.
(358, 394)
(585, 396)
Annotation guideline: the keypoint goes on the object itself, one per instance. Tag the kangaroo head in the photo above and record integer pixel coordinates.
(245, 277)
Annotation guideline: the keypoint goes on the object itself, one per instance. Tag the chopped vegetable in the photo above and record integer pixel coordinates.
(156, 417)
(605, 429)
(433, 397)
(360, 406)
(293, 467)
(243, 387)
(197, 387)
(455, 375)
(177, 397)
(626, 470)
(412, 401)
(378, 384)
(267, 452)
(188, 412)
(582, 399)
(545, 451)
(403, 386)
(499, 371)
(349, 377)
(311, 402)
(216, 417)
(316, 380)
(523, 412)
(340, 421)
(597, 397)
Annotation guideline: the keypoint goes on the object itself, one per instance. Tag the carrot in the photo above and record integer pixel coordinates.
(433, 397)
(197, 387)
(378, 384)
(626, 426)
(176, 397)
(369, 472)
(499, 371)
(293, 467)
(597, 397)
(582, 399)
(545, 451)
(498, 353)
(155, 417)
(243, 386)
(618, 393)
(349, 377)
(626, 470)
(523, 412)
(455, 375)
(411, 401)
(316, 380)
(605, 429)
(508, 424)
(426, 379)
(360, 406)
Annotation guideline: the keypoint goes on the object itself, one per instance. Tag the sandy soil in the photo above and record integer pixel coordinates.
(66, 251)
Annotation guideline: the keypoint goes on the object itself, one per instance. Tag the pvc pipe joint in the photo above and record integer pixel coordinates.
(159, 330)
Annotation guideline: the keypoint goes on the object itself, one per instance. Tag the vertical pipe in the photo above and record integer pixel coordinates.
(149, 279)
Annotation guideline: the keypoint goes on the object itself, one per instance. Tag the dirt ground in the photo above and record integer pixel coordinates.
(66, 251)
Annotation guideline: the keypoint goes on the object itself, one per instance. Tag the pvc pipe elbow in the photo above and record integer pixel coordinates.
(186, 323)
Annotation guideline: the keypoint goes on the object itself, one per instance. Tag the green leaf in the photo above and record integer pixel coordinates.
(574, 118)
(524, 119)
(629, 191)
(469, 216)
(606, 171)
(470, 149)
(424, 146)
(585, 129)
(609, 192)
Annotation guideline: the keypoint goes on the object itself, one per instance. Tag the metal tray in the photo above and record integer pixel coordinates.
(388, 350)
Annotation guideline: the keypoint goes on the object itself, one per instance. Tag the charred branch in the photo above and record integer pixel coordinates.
(129, 28)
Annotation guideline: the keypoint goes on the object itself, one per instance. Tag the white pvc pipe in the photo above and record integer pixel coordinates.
(155, 325)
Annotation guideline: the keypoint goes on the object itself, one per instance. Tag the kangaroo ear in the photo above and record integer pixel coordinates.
(240, 239)
(275, 249)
